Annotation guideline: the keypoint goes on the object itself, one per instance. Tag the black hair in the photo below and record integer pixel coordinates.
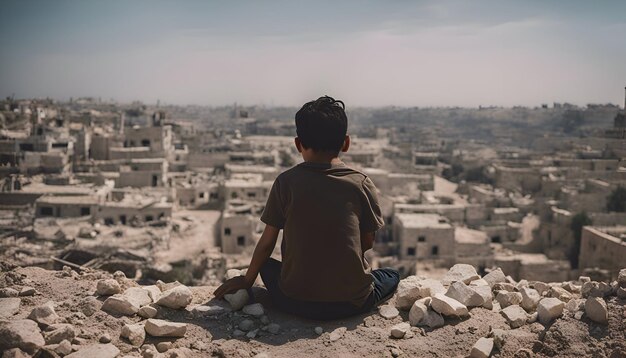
(322, 124)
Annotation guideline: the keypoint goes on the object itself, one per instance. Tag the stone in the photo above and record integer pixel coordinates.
(238, 299)
(515, 316)
(319, 330)
(163, 346)
(108, 287)
(176, 298)
(265, 320)
(482, 348)
(448, 306)
(162, 328)
(44, 314)
(532, 318)
(495, 276)
(252, 334)
(64, 348)
(9, 306)
(153, 291)
(238, 333)
(479, 282)
(432, 320)
(596, 310)
(530, 298)
(388, 311)
(521, 283)
(504, 286)
(621, 293)
(59, 332)
(465, 294)
(412, 288)
(232, 273)
(461, 272)
(621, 278)
(574, 304)
(400, 329)
(137, 296)
(418, 311)
(506, 299)
(89, 305)
(135, 333)
(167, 286)
(255, 309)
(119, 304)
(595, 289)
(246, 325)
(337, 334)
(560, 293)
(584, 279)
(147, 312)
(22, 333)
(549, 309)
(105, 338)
(571, 287)
(510, 280)
(273, 328)
(541, 287)
(119, 275)
(96, 351)
(8, 292)
(578, 315)
(149, 351)
(27, 291)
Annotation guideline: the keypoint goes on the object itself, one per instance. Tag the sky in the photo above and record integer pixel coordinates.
(284, 53)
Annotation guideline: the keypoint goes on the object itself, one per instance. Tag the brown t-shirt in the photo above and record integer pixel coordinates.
(323, 209)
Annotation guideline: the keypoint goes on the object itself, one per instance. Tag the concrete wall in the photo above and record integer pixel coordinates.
(236, 233)
(602, 250)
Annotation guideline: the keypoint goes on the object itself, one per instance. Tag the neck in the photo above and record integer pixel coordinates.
(322, 158)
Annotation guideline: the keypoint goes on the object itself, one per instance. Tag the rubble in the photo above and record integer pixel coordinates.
(412, 288)
(238, 299)
(461, 272)
(255, 309)
(337, 334)
(135, 333)
(596, 310)
(495, 276)
(162, 328)
(549, 309)
(175, 298)
(9, 306)
(506, 298)
(389, 311)
(482, 348)
(22, 333)
(400, 329)
(530, 298)
(44, 314)
(96, 351)
(465, 294)
(515, 315)
(58, 332)
(119, 304)
(108, 287)
(448, 306)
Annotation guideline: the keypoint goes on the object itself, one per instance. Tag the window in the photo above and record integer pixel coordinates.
(46, 211)
(149, 218)
(108, 221)
(434, 250)
(123, 219)
(213, 196)
(421, 239)
(201, 195)
(251, 195)
(85, 211)
(241, 240)
(145, 143)
(410, 251)
(233, 195)
(227, 231)
(496, 239)
(155, 180)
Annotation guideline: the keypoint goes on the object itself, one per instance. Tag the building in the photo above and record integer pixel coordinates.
(603, 247)
(424, 237)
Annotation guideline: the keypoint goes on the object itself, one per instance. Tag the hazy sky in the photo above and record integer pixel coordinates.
(368, 53)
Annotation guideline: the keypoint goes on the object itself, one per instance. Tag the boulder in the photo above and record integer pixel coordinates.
(337, 334)
(418, 311)
(506, 298)
(596, 310)
(176, 298)
(162, 328)
(135, 333)
(530, 298)
(58, 332)
(495, 276)
(549, 309)
(461, 272)
(400, 329)
(22, 333)
(147, 312)
(44, 314)
(9, 306)
(108, 287)
(96, 351)
(255, 309)
(482, 348)
(167, 286)
(389, 311)
(137, 296)
(432, 320)
(448, 306)
(238, 299)
(119, 304)
(273, 328)
(515, 316)
(412, 288)
(465, 294)
(319, 330)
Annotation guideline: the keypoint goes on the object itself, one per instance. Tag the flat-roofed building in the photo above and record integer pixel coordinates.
(424, 237)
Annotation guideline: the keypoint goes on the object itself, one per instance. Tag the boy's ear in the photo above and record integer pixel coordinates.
(346, 144)
(298, 144)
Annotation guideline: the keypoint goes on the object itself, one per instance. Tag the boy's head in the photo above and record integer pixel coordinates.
(321, 125)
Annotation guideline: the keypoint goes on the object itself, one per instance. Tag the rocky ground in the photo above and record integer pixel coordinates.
(95, 314)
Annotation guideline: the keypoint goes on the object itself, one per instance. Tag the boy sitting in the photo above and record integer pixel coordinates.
(329, 214)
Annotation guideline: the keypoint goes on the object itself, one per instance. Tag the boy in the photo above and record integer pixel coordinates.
(329, 214)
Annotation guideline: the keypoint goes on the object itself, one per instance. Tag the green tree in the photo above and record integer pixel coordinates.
(576, 225)
(617, 200)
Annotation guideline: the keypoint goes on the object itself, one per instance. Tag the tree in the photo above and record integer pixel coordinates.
(576, 225)
(617, 200)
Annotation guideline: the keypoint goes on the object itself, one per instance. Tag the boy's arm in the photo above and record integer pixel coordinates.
(262, 252)
(367, 241)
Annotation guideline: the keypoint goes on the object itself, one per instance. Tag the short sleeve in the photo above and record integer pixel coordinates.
(274, 213)
(371, 216)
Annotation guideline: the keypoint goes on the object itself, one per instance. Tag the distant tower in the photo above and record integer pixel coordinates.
(620, 118)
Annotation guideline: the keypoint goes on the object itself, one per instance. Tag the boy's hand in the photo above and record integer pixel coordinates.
(232, 285)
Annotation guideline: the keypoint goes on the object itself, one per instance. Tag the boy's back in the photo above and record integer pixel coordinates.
(323, 209)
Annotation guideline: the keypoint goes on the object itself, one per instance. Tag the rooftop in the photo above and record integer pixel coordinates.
(417, 221)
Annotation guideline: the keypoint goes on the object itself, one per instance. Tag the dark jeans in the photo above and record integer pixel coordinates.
(385, 284)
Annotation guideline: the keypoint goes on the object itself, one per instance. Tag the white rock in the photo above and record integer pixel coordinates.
(495, 276)
(137, 296)
(532, 318)
(153, 291)
(479, 282)
(147, 312)
(578, 315)
(337, 334)
(549, 309)
(44, 314)
(461, 272)
(560, 293)
(482, 348)
(574, 304)
(58, 332)
(255, 309)
(596, 310)
(506, 299)
(448, 306)
(541, 287)
(22, 333)
(9, 306)
(388, 311)
(232, 273)
(412, 288)
(238, 299)
(135, 333)
(530, 298)
(176, 298)
(400, 329)
(96, 351)
(209, 310)
(515, 316)
(485, 293)
(432, 320)
(319, 330)
(465, 294)
(107, 287)
(418, 311)
(119, 304)
(162, 328)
